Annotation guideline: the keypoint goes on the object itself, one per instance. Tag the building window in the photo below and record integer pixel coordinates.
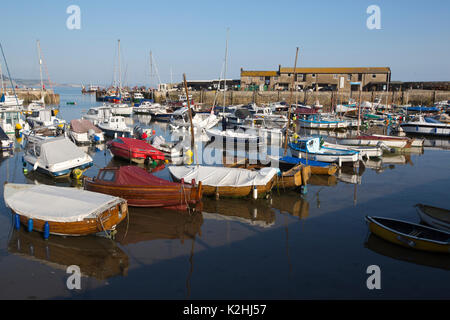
(313, 75)
(335, 76)
(349, 77)
(374, 76)
(360, 77)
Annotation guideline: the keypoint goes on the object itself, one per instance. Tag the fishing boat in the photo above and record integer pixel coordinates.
(143, 189)
(63, 210)
(115, 126)
(138, 151)
(55, 156)
(311, 148)
(436, 217)
(410, 235)
(317, 167)
(84, 132)
(227, 182)
(426, 126)
(6, 144)
(231, 136)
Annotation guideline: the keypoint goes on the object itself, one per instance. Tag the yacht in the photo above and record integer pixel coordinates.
(115, 126)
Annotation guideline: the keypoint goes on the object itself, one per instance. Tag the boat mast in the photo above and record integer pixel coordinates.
(225, 70)
(9, 75)
(190, 118)
(1, 75)
(120, 75)
(290, 103)
(40, 63)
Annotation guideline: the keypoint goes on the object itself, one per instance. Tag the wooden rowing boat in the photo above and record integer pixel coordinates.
(317, 167)
(68, 211)
(436, 217)
(143, 189)
(410, 235)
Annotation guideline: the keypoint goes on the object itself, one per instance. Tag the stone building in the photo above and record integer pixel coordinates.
(320, 79)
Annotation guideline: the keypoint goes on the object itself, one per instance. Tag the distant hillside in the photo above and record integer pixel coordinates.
(34, 83)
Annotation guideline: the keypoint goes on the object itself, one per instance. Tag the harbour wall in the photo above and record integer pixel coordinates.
(327, 99)
(29, 95)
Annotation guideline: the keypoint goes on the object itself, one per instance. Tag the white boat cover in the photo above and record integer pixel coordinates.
(222, 176)
(60, 150)
(56, 204)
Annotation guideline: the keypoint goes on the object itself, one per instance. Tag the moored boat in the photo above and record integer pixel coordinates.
(84, 132)
(436, 217)
(311, 148)
(143, 189)
(227, 182)
(410, 235)
(317, 167)
(65, 211)
(55, 156)
(135, 150)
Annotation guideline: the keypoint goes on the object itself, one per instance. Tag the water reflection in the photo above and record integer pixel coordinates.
(385, 248)
(252, 212)
(97, 257)
(291, 202)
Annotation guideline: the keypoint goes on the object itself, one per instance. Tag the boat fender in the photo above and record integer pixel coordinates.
(96, 138)
(46, 230)
(304, 189)
(77, 173)
(30, 225)
(255, 192)
(17, 221)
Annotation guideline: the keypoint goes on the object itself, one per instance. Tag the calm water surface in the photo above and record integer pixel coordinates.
(315, 246)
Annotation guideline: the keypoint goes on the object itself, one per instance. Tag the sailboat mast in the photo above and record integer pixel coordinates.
(225, 71)
(290, 102)
(40, 63)
(1, 75)
(120, 71)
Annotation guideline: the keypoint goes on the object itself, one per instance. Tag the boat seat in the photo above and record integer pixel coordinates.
(415, 233)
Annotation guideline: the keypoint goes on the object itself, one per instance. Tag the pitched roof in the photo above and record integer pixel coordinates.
(259, 73)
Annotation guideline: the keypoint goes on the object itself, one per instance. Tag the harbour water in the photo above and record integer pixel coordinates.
(291, 246)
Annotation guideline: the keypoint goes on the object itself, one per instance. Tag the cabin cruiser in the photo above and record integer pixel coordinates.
(12, 121)
(180, 118)
(121, 109)
(98, 114)
(115, 126)
(55, 156)
(266, 114)
(427, 126)
(317, 122)
(45, 118)
(146, 107)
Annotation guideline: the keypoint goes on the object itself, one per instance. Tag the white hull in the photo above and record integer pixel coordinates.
(326, 158)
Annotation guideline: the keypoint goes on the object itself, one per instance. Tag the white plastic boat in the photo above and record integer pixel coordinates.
(426, 126)
(55, 156)
(310, 148)
(84, 132)
(115, 127)
(233, 136)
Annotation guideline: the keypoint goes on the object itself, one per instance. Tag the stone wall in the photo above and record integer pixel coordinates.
(30, 95)
(414, 97)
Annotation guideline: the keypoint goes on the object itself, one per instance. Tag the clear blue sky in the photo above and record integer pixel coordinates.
(189, 37)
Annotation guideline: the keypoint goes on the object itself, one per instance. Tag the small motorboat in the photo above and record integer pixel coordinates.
(55, 156)
(436, 217)
(115, 126)
(410, 235)
(121, 109)
(317, 167)
(84, 132)
(230, 136)
(426, 126)
(378, 140)
(63, 210)
(143, 189)
(311, 148)
(315, 122)
(365, 151)
(171, 150)
(138, 151)
(228, 182)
